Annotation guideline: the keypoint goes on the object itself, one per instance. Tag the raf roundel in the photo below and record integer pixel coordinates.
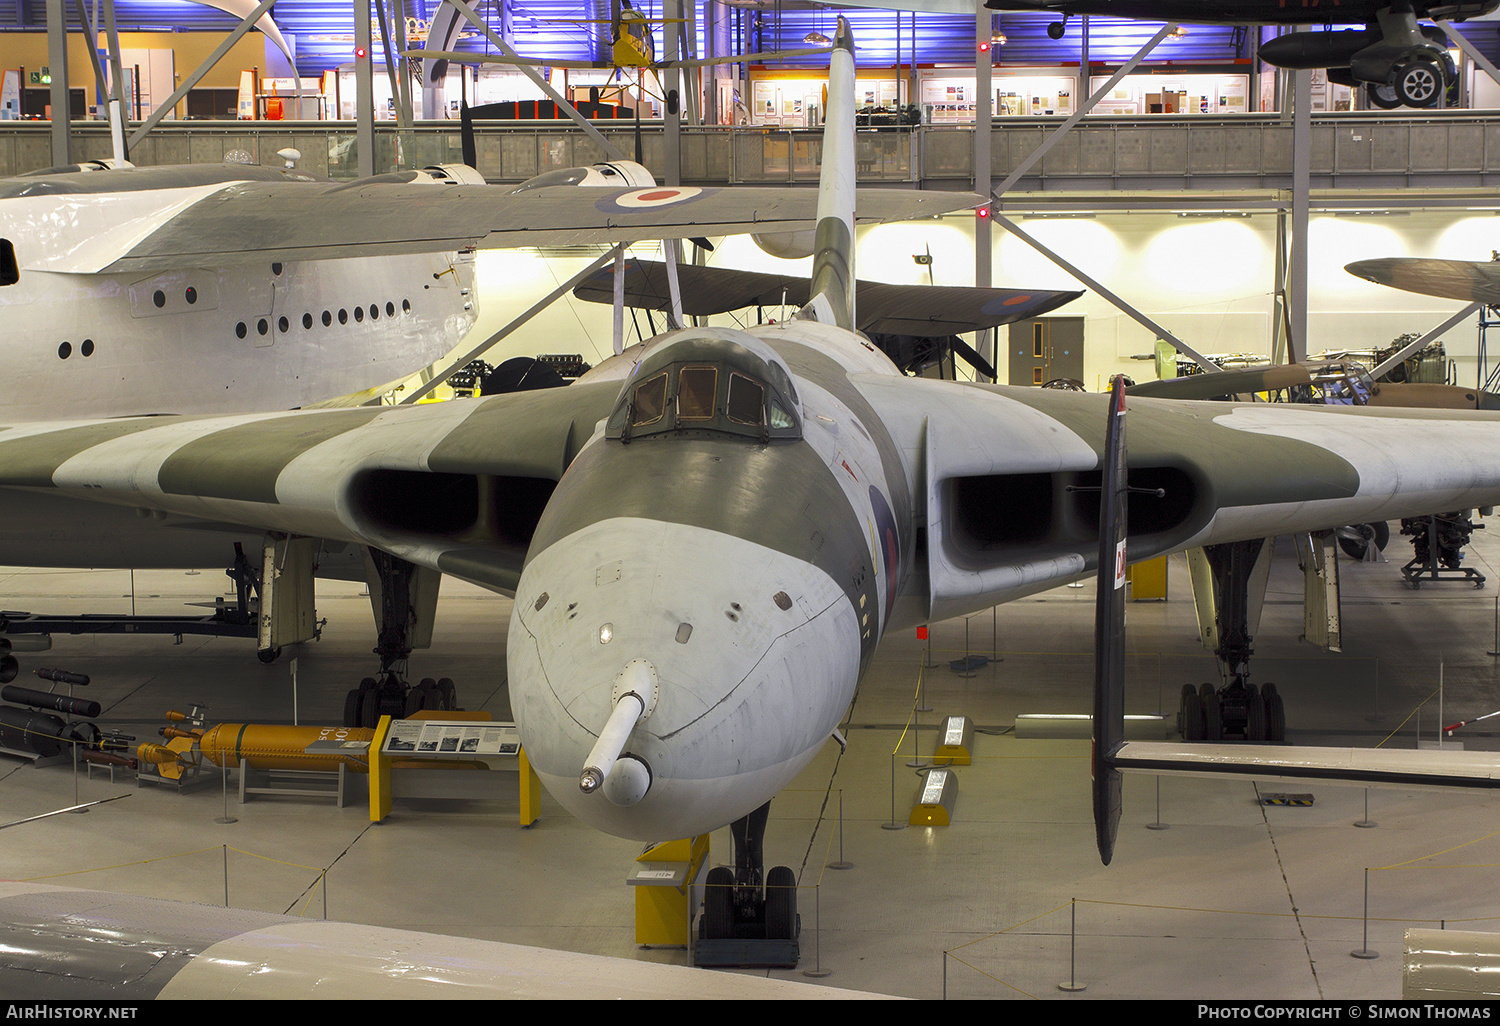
(648, 199)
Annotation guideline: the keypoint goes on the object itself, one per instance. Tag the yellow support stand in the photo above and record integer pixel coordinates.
(663, 879)
(380, 773)
(1148, 580)
(531, 792)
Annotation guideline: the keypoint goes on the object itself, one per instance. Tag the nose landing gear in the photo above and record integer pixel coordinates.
(747, 923)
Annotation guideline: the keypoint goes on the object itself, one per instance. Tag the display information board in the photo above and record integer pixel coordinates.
(440, 739)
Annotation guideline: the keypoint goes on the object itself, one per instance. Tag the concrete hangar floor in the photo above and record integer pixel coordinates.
(1234, 900)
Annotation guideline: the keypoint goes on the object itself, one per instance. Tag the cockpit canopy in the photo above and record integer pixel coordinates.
(717, 382)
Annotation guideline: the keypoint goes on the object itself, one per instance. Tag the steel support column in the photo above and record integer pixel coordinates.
(1297, 343)
(57, 60)
(984, 340)
(364, 91)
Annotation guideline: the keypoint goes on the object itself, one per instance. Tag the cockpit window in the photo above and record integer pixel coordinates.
(695, 392)
(709, 386)
(747, 400)
(650, 401)
(780, 418)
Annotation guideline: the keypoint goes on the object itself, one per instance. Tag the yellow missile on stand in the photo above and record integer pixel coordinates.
(282, 747)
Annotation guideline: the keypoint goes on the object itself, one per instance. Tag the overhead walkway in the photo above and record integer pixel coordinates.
(1364, 150)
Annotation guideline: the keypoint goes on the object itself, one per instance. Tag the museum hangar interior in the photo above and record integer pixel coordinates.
(1209, 214)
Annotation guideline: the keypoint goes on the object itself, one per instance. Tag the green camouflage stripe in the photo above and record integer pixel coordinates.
(30, 460)
(243, 462)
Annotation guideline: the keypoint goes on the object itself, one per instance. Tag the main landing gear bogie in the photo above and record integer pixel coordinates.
(1240, 711)
(387, 693)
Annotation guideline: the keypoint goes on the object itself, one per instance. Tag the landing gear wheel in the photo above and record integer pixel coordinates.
(781, 904)
(1356, 539)
(718, 904)
(1213, 724)
(416, 701)
(1419, 84)
(1275, 716)
(1056, 29)
(1382, 97)
(1255, 718)
(448, 693)
(268, 655)
(369, 706)
(1192, 717)
(354, 702)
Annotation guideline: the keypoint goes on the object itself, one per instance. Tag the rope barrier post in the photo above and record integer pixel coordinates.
(842, 863)
(1364, 949)
(1158, 825)
(1072, 986)
(224, 779)
(1367, 822)
(1496, 650)
(817, 972)
(74, 746)
(224, 849)
(324, 875)
(922, 705)
(893, 825)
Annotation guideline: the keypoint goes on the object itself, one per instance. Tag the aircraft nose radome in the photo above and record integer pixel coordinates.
(755, 652)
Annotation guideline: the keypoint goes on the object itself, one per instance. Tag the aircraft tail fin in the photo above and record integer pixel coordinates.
(832, 289)
(1109, 628)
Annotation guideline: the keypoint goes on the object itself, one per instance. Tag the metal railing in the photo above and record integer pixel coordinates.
(1353, 150)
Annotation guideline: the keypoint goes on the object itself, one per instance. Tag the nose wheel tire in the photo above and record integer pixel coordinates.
(1419, 84)
(718, 904)
(1382, 97)
(781, 904)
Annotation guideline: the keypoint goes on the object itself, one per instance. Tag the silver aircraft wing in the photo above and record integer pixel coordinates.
(299, 220)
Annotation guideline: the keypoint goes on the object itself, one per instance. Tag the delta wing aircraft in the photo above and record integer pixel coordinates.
(705, 558)
(234, 287)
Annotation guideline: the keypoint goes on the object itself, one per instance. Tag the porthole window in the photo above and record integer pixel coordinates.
(282, 325)
(406, 306)
(359, 314)
(191, 295)
(327, 318)
(390, 309)
(343, 316)
(64, 351)
(10, 271)
(240, 330)
(262, 327)
(307, 321)
(159, 298)
(374, 312)
(276, 269)
(87, 349)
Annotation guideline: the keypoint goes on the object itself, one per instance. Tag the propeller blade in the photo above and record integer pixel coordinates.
(972, 358)
(466, 135)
